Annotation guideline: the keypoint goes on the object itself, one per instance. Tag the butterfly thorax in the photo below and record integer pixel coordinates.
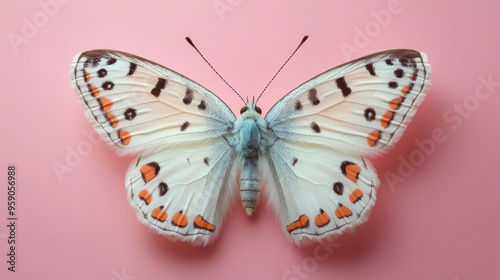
(250, 131)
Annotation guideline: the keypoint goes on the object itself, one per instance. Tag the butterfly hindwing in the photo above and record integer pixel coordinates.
(183, 193)
(322, 185)
(319, 194)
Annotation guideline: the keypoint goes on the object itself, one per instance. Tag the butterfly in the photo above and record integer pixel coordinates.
(307, 153)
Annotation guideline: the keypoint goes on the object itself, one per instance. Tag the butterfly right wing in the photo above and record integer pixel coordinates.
(321, 185)
(318, 194)
(360, 107)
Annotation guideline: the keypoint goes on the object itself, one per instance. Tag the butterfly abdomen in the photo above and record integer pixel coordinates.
(249, 179)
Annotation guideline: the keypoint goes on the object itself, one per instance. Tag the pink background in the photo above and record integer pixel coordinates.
(437, 220)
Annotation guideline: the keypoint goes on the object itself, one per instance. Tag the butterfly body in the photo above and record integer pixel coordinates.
(253, 139)
(307, 153)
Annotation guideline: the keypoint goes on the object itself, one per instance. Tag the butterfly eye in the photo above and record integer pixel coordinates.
(258, 110)
(243, 110)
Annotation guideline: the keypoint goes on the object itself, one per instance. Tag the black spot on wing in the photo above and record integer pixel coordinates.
(370, 69)
(370, 114)
(393, 84)
(163, 188)
(342, 85)
(102, 73)
(158, 87)
(399, 73)
(202, 105)
(184, 126)
(108, 85)
(315, 127)
(338, 188)
(111, 61)
(188, 96)
(130, 114)
(313, 97)
(131, 69)
(298, 105)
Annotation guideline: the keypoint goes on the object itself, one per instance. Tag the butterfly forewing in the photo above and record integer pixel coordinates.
(362, 106)
(137, 104)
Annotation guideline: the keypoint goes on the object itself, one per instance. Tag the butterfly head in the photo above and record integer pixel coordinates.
(250, 108)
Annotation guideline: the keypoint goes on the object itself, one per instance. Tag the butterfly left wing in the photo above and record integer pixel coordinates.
(322, 186)
(178, 186)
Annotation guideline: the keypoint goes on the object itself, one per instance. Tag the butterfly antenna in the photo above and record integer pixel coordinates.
(272, 79)
(198, 51)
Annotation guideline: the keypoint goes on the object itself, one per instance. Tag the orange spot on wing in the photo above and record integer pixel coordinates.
(396, 103)
(387, 118)
(124, 136)
(179, 219)
(159, 214)
(94, 91)
(201, 223)
(87, 76)
(302, 222)
(405, 90)
(112, 119)
(146, 196)
(373, 138)
(149, 171)
(356, 195)
(343, 211)
(322, 219)
(105, 104)
(350, 170)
